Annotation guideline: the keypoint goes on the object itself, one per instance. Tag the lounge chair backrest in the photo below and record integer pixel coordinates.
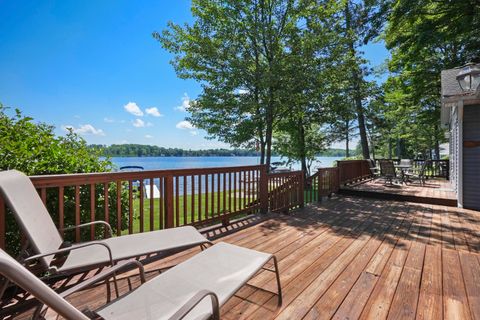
(387, 168)
(12, 270)
(30, 213)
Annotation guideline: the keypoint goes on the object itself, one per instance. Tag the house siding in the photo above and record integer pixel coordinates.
(471, 158)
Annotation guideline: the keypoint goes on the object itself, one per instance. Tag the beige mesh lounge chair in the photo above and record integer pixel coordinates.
(179, 293)
(45, 240)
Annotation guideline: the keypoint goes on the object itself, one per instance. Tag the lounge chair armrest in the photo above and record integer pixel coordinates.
(194, 301)
(73, 247)
(104, 275)
(108, 227)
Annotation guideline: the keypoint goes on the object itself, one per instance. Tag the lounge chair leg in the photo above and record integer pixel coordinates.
(277, 274)
(109, 294)
(115, 285)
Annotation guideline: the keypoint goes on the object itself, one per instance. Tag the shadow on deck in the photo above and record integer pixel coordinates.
(350, 258)
(434, 191)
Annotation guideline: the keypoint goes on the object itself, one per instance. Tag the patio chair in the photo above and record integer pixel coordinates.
(420, 175)
(179, 293)
(387, 171)
(47, 245)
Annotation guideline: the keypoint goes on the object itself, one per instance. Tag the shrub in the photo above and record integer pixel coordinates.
(34, 149)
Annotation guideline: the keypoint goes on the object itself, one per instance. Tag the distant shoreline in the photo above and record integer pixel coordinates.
(140, 150)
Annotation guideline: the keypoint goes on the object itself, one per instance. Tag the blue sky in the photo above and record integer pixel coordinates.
(94, 66)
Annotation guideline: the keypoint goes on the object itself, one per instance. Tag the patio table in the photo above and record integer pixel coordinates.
(403, 168)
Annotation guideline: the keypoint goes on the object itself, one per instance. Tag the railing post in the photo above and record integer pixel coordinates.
(263, 189)
(301, 189)
(169, 202)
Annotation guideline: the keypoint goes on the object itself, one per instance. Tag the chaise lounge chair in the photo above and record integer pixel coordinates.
(45, 240)
(179, 293)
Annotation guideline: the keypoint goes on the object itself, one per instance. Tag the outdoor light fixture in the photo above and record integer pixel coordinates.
(469, 77)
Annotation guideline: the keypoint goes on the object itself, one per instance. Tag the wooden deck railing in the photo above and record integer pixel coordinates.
(285, 191)
(176, 198)
(322, 183)
(353, 170)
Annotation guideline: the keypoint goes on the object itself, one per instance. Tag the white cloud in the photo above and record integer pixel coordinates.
(185, 125)
(153, 111)
(138, 123)
(185, 103)
(194, 132)
(108, 120)
(84, 129)
(148, 136)
(132, 108)
(242, 91)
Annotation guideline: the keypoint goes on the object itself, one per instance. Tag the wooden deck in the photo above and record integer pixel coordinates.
(435, 191)
(354, 258)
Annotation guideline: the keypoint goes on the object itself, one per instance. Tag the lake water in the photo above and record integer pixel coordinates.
(155, 163)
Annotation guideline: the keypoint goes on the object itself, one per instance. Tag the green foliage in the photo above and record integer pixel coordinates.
(425, 37)
(34, 149)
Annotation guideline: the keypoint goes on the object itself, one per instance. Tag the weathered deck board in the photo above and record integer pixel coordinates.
(352, 258)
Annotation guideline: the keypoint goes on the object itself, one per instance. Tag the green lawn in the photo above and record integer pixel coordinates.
(184, 216)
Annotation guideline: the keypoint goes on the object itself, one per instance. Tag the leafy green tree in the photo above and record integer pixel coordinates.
(34, 149)
(236, 49)
(425, 37)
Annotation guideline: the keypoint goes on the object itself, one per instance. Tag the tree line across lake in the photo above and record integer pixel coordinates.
(141, 150)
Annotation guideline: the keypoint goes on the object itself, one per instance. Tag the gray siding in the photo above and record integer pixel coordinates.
(471, 158)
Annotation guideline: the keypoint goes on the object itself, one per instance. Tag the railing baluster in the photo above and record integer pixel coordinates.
(218, 195)
(152, 206)
(192, 208)
(185, 200)
(141, 198)
(161, 181)
(130, 207)
(119, 207)
(235, 191)
(77, 212)
(200, 198)
(224, 210)
(177, 201)
(230, 192)
(105, 201)
(169, 223)
(61, 209)
(92, 210)
(207, 176)
(160, 203)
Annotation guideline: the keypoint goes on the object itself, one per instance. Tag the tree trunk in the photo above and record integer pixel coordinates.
(268, 152)
(347, 138)
(262, 152)
(390, 148)
(356, 78)
(303, 159)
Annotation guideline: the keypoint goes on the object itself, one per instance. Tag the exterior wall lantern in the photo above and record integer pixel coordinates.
(469, 78)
